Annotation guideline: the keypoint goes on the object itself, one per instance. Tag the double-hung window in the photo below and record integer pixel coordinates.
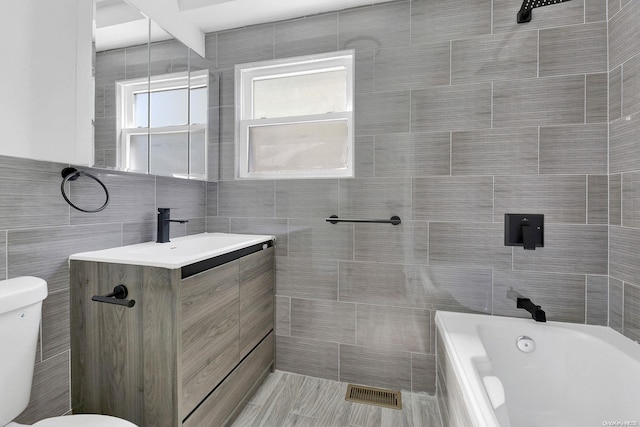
(294, 117)
(162, 124)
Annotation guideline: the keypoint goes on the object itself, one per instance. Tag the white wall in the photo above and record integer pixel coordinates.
(45, 81)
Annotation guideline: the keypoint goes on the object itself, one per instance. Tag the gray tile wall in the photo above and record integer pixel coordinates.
(624, 169)
(38, 232)
(461, 115)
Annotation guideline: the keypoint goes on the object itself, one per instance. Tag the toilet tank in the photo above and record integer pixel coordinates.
(20, 313)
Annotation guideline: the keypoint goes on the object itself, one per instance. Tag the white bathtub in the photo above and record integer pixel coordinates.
(576, 375)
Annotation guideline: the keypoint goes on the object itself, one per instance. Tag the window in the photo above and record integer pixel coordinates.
(294, 117)
(162, 124)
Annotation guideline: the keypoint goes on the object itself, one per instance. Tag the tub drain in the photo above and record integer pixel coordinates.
(525, 344)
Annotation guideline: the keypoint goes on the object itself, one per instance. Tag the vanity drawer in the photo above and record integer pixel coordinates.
(221, 407)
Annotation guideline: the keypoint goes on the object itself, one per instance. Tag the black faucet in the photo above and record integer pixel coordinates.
(537, 313)
(163, 224)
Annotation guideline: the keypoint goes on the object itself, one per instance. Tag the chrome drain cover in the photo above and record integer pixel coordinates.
(525, 344)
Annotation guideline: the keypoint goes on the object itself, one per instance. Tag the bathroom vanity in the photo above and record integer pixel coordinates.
(197, 341)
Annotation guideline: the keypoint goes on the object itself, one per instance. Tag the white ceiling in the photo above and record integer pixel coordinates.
(216, 15)
(119, 25)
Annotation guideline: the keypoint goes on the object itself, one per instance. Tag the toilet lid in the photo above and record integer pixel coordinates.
(84, 421)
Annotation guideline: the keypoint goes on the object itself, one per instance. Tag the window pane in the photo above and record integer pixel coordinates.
(168, 153)
(298, 147)
(300, 95)
(138, 153)
(169, 108)
(198, 152)
(199, 105)
(141, 110)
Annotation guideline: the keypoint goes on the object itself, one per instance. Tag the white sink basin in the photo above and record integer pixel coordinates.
(179, 252)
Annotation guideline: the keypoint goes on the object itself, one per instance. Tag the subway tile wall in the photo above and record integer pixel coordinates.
(38, 232)
(624, 166)
(461, 116)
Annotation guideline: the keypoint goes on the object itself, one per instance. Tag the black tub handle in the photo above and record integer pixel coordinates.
(117, 297)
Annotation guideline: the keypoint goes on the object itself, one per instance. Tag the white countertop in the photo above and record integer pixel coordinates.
(177, 253)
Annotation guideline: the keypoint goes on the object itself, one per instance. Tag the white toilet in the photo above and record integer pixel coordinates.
(20, 313)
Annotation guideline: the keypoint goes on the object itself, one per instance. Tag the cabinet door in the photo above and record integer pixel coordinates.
(210, 330)
(47, 103)
(256, 298)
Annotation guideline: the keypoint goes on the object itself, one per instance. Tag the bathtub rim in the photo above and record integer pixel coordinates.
(467, 376)
(475, 397)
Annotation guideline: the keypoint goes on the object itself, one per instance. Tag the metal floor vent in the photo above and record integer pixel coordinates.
(374, 396)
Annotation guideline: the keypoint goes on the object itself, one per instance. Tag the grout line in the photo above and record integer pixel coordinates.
(491, 15)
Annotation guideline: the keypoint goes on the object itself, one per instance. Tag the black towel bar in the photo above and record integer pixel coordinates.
(395, 220)
(117, 297)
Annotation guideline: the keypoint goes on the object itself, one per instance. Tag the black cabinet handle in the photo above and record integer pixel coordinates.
(117, 297)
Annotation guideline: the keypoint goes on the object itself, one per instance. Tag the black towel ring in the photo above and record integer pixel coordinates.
(71, 174)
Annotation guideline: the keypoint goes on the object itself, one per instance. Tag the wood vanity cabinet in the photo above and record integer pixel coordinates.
(190, 351)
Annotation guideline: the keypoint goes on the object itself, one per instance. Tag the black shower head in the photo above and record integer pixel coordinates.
(524, 15)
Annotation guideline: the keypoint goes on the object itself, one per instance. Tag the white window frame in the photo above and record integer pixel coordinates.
(246, 74)
(125, 99)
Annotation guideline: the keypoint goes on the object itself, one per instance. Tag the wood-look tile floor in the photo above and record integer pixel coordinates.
(286, 400)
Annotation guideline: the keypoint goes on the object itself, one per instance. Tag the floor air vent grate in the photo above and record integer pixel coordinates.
(374, 396)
